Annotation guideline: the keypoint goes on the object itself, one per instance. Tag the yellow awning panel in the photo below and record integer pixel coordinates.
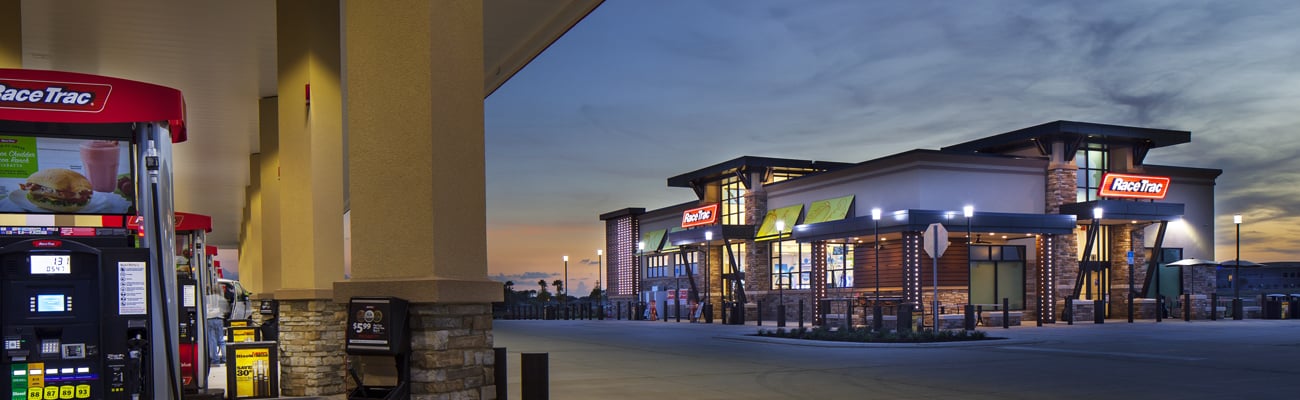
(789, 214)
(828, 210)
(653, 240)
(668, 245)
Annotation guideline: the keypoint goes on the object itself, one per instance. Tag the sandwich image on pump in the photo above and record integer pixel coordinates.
(58, 190)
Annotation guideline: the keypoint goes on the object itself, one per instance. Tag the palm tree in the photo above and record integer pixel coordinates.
(559, 288)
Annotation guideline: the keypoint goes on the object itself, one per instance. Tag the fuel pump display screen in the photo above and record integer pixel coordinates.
(48, 264)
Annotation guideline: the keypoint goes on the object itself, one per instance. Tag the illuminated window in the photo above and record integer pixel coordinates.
(733, 201)
(839, 265)
(1093, 162)
(656, 266)
(792, 265)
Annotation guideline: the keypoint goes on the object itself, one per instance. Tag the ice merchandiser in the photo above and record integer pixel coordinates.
(84, 316)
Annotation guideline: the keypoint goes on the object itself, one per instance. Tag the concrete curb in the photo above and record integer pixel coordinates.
(994, 342)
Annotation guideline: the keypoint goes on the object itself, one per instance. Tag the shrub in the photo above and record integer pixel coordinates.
(868, 335)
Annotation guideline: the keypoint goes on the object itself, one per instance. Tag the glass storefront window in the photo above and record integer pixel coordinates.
(792, 265)
(998, 272)
(839, 265)
(1093, 161)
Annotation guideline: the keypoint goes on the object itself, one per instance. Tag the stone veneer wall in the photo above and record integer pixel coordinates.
(1062, 181)
(311, 347)
(452, 352)
(1122, 239)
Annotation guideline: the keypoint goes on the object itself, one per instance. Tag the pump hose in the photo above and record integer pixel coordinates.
(157, 247)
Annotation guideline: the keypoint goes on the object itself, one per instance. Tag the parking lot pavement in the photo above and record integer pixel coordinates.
(645, 360)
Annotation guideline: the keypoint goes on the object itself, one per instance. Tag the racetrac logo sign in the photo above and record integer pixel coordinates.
(706, 215)
(1134, 186)
(54, 96)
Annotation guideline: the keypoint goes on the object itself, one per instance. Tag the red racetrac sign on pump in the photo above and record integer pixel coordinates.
(53, 95)
(706, 215)
(1133, 186)
(74, 98)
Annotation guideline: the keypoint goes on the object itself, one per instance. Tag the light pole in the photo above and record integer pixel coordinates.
(708, 288)
(566, 279)
(780, 277)
(600, 300)
(969, 211)
(640, 258)
(1237, 308)
(877, 316)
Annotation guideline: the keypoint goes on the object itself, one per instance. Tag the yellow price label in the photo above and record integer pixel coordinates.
(67, 392)
(83, 391)
(35, 393)
(51, 392)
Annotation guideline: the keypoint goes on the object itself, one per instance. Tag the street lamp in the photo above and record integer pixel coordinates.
(1237, 308)
(708, 288)
(600, 300)
(566, 278)
(877, 317)
(969, 211)
(780, 277)
(636, 279)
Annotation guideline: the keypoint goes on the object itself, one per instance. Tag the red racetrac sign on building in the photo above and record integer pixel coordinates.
(1134, 186)
(706, 215)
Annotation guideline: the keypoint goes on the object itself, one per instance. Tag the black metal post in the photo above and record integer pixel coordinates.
(499, 372)
(1130, 302)
(1187, 307)
(877, 317)
(534, 376)
(760, 313)
(1098, 311)
(1069, 310)
(903, 321)
(1214, 306)
(1160, 299)
(1237, 306)
(780, 283)
(1006, 313)
(848, 316)
(969, 310)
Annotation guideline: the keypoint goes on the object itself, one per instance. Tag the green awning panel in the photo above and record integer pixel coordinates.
(789, 214)
(828, 210)
(668, 246)
(653, 240)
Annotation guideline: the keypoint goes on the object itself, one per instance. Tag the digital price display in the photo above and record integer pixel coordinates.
(47, 264)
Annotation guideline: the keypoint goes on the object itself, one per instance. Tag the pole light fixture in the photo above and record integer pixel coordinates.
(780, 277)
(876, 315)
(599, 266)
(566, 278)
(1237, 308)
(968, 211)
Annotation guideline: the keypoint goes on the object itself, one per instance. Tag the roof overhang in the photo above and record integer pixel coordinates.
(1124, 210)
(1073, 132)
(919, 220)
(517, 31)
(720, 232)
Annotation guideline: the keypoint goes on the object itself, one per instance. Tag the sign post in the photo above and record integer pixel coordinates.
(935, 248)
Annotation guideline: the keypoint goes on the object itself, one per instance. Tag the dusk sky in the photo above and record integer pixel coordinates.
(641, 91)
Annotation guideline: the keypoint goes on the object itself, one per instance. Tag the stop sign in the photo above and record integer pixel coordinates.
(934, 247)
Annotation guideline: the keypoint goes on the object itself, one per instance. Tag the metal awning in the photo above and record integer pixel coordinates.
(918, 220)
(1126, 210)
(828, 210)
(788, 214)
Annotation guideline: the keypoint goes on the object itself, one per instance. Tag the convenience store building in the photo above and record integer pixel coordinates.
(1059, 210)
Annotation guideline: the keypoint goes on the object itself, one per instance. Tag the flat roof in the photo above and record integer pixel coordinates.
(743, 163)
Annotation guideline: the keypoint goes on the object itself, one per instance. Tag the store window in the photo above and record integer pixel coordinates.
(791, 264)
(998, 272)
(656, 266)
(1093, 161)
(839, 265)
(687, 267)
(733, 201)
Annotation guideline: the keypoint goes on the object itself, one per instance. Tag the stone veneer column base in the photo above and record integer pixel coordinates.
(452, 356)
(311, 347)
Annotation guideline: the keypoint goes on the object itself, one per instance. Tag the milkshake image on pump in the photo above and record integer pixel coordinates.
(100, 160)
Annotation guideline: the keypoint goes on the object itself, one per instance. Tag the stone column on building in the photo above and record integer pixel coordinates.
(758, 256)
(414, 115)
(11, 34)
(1062, 186)
(1125, 238)
(310, 204)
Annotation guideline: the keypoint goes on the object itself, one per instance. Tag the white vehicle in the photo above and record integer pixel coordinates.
(235, 294)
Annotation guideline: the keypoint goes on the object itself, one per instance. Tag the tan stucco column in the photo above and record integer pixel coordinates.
(416, 182)
(310, 204)
(11, 34)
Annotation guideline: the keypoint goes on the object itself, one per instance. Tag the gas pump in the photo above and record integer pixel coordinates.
(75, 320)
(85, 315)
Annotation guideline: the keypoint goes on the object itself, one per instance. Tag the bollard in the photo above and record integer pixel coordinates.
(725, 306)
(780, 314)
(1160, 306)
(969, 310)
(760, 313)
(1006, 313)
(801, 313)
(903, 323)
(1098, 312)
(1214, 306)
(1237, 309)
(1069, 310)
(1187, 307)
(848, 316)
(877, 317)
(499, 372)
(708, 312)
(1130, 306)
(677, 309)
(600, 312)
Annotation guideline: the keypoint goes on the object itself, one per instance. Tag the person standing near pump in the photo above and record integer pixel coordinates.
(215, 309)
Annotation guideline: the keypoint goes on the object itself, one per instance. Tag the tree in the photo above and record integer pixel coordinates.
(559, 288)
(596, 294)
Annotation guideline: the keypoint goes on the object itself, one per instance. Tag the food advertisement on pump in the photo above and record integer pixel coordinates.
(65, 176)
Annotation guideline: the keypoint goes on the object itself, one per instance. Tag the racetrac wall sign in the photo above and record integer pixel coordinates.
(1134, 186)
(706, 215)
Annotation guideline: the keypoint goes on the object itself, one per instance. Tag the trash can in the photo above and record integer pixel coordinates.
(1272, 307)
(1293, 306)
